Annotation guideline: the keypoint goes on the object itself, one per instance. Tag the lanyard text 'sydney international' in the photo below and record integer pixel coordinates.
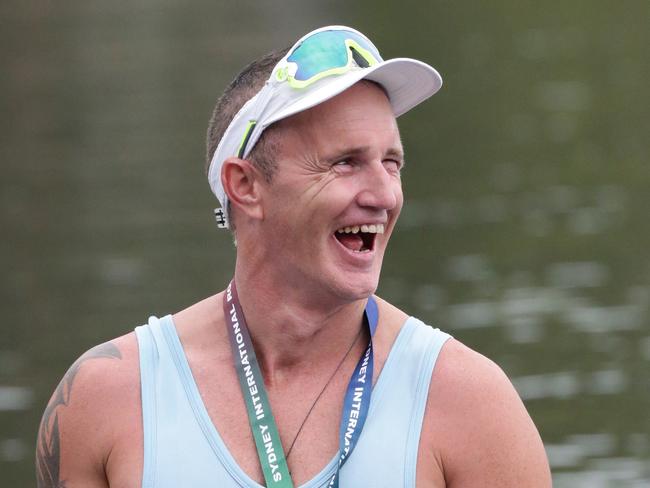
(265, 432)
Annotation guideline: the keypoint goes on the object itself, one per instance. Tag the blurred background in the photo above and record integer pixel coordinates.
(525, 232)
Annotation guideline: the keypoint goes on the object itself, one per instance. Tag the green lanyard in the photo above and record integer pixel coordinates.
(260, 418)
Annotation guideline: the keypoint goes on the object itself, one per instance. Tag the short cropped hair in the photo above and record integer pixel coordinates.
(244, 87)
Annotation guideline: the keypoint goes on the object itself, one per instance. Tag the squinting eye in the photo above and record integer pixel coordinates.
(344, 165)
(393, 165)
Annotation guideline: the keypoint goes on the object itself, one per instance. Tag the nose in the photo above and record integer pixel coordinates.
(381, 188)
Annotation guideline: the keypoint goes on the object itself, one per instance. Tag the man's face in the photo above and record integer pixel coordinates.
(336, 195)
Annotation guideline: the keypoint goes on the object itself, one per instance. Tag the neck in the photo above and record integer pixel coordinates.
(291, 331)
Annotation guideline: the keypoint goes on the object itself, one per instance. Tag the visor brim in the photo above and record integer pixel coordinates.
(408, 82)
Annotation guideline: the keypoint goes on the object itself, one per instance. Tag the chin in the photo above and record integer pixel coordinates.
(355, 287)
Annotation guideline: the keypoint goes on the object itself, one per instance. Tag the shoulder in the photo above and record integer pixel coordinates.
(96, 397)
(102, 372)
(477, 427)
(459, 366)
(98, 375)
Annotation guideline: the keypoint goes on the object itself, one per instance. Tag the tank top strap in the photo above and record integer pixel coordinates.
(388, 447)
(430, 342)
(151, 346)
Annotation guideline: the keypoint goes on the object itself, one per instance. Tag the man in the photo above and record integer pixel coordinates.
(271, 381)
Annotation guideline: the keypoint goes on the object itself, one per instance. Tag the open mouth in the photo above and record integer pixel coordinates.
(359, 238)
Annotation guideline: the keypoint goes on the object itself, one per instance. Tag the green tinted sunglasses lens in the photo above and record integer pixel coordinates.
(328, 50)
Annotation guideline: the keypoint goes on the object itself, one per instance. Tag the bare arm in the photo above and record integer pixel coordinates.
(486, 436)
(69, 447)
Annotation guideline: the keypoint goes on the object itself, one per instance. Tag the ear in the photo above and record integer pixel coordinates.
(241, 182)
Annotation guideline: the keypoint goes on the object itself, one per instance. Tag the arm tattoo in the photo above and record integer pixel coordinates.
(48, 442)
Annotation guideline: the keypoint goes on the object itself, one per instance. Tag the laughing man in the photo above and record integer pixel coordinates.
(296, 374)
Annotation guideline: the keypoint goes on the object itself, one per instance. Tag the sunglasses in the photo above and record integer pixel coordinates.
(326, 53)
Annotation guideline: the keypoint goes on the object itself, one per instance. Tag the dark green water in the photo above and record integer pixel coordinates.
(525, 233)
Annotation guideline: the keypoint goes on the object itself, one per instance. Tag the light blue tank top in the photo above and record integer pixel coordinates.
(182, 447)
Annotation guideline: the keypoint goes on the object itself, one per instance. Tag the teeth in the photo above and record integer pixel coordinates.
(367, 228)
